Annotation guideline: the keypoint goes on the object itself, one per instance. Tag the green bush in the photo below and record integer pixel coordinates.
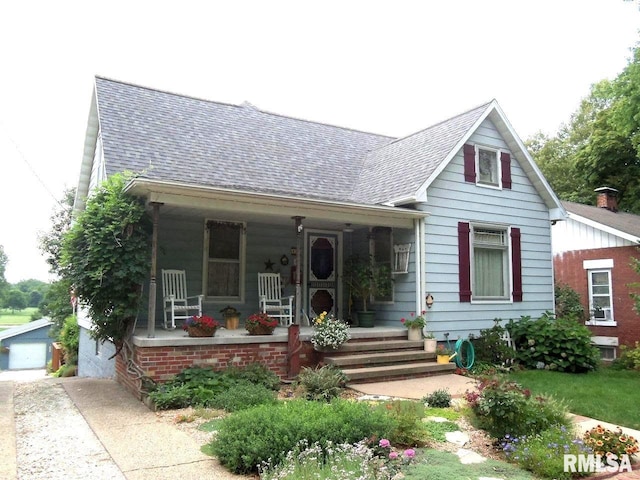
(321, 383)
(249, 437)
(554, 343)
(255, 373)
(629, 358)
(440, 399)
(568, 304)
(490, 348)
(503, 407)
(407, 416)
(242, 396)
(70, 339)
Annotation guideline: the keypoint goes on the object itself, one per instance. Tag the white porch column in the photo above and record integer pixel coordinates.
(419, 231)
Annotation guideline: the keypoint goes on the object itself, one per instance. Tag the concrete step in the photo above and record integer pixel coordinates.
(379, 358)
(378, 346)
(397, 371)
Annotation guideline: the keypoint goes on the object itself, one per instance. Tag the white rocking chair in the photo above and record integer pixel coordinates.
(271, 301)
(177, 305)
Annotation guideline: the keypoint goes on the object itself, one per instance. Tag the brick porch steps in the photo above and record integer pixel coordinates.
(385, 360)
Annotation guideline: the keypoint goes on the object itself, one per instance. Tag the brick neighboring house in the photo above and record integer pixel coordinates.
(593, 253)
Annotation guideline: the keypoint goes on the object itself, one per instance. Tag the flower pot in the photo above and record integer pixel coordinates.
(260, 330)
(365, 319)
(415, 334)
(442, 358)
(430, 345)
(232, 322)
(198, 331)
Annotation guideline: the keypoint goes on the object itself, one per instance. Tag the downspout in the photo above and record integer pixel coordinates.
(151, 318)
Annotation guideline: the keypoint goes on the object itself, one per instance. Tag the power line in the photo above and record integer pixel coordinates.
(24, 159)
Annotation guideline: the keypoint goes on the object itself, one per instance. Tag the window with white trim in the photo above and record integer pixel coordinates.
(490, 263)
(224, 260)
(488, 166)
(600, 296)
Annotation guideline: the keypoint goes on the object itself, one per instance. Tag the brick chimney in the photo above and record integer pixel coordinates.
(607, 198)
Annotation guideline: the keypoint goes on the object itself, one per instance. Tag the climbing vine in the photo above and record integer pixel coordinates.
(106, 257)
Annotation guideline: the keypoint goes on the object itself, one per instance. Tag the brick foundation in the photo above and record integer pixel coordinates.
(162, 363)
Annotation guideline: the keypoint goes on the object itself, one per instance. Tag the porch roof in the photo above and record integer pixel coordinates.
(229, 203)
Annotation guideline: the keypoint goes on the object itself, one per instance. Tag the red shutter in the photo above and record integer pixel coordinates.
(505, 158)
(464, 262)
(469, 163)
(516, 264)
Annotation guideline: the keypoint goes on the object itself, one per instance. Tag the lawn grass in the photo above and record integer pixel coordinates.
(19, 317)
(607, 395)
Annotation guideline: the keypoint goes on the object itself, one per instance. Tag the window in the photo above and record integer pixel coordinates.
(487, 166)
(224, 268)
(382, 251)
(600, 300)
(490, 263)
(607, 353)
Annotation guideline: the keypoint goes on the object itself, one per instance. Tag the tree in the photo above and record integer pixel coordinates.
(16, 300)
(106, 255)
(51, 241)
(601, 144)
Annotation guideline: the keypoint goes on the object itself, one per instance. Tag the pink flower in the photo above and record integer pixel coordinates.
(403, 320)
(393, 455)
(384, 443)
(410, 452)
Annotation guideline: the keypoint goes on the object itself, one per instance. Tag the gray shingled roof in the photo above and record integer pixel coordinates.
(405, 164)
(625, 222)
(177, 138)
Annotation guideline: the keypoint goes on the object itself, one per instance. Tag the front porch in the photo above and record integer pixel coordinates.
(171, 351)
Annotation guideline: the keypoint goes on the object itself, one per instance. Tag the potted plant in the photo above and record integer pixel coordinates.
(202, 326)
(231, 317)
(444, 354)
(329, 332)
(260, 324)
(415, 325)
(365, 278)
(430, 342)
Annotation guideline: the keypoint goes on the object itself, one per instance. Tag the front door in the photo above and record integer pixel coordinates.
(322, 269)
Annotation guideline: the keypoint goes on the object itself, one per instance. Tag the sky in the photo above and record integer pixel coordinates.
(392, 67)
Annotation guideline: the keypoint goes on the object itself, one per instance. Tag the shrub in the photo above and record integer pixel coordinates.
(407, 416)
(504, 408)
(70, 340)
(543, 453)
(568, 304)
(255, 373)
(629, 358)
(490, 347)
(250, 437)
(242, 396)
(555, 344)
(321, 383)
(440, 399)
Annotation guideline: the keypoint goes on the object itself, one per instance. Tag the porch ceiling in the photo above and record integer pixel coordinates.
(226, 204)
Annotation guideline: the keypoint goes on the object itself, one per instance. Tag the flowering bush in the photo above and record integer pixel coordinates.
(260, 320)
(329, 331)
(413, 321)
(442, 350)
(605, 442)
(202, 322)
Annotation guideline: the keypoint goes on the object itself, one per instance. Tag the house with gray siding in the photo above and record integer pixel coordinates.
(235, 191)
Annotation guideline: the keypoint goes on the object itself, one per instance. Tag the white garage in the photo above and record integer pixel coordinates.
(27, 355)
(26, 346)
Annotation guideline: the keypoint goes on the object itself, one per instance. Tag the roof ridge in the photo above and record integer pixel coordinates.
(477, 107)
(244, 105)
